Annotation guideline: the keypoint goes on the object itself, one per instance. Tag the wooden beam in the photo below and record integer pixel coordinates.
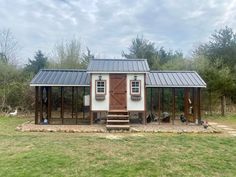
(173, 111)
(159, 105)
(36, 105)
(41, 104)
(199, 105)
(62, 104)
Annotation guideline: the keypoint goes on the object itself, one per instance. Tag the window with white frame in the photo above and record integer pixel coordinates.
(100, 87)
(135, 87)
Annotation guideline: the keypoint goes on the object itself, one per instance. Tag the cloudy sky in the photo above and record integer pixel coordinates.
(107, 27)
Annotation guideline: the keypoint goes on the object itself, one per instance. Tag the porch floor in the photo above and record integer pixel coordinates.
(153, 127)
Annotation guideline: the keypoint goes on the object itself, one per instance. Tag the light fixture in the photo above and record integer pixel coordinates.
(135, 77)
(100, 77)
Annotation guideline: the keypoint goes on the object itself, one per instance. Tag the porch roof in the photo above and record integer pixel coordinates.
(174, 79)
(118, 66)
(61, 77)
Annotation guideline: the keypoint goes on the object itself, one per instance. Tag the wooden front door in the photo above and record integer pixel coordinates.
(118, 92)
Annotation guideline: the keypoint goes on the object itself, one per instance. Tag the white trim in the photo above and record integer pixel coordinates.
(57, 85)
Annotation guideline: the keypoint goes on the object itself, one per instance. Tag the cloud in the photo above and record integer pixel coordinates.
(108, 26)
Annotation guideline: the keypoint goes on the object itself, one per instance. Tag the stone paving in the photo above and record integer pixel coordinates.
(225, 128)
(100, 128)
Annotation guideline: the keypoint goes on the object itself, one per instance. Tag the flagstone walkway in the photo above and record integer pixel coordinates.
(225, 128)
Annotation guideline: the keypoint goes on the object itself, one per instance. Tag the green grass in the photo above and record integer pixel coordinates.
(229, 120)
(73, 154)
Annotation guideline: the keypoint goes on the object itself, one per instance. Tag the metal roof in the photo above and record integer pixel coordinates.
(118, 66)
(174, 79)
(61, 77)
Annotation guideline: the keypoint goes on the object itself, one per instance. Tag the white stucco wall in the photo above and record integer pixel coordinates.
(104, 104)
(135, 105)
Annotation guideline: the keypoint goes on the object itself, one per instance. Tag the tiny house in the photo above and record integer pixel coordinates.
(112, 90)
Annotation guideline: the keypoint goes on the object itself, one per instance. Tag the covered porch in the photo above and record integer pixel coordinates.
(174, 96)
(61, 97)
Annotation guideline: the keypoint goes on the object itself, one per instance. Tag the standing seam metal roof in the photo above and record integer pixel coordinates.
(118, 66)
(61, 77)
(174, 79)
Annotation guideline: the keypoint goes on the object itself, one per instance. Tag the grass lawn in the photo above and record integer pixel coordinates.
(229, 120)
(73, 154)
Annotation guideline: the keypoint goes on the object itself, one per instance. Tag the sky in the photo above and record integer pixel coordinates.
(107, 27)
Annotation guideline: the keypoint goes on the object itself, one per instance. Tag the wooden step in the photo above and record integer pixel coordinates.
(118, 111)
(117, 126)
(117, 121)
(117, 116)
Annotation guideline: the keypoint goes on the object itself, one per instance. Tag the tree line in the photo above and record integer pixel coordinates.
(214, 60)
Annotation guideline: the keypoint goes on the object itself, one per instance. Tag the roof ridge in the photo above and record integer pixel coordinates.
(171, 71)
(141, 59)
(63, 70)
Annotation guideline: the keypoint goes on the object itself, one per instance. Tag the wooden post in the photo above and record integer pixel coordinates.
(199, 105)
(145, 101)
(186, 103)
(36, 104)
(41, 104)
(173, 113)
(162, 99)
(83, 103)
(76, 104)
(49, 108)
(72, 110)
(159, 104)
(151, 102)
(194, 104)
(62, 104)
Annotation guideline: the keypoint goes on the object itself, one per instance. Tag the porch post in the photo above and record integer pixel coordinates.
(83, 103)
(173, 113)
(194, 104)
(72, 110)
(41, 104)
(36, 104)
(49, 95)
(186, 103)
(62, 104)
(199, 105)
(159, 105)
(151, 102)
(76, 104)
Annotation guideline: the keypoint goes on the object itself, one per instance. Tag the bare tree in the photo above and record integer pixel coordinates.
(8, 46)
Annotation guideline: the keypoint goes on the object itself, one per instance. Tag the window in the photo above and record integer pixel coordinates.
(100, 87)
(135, 87)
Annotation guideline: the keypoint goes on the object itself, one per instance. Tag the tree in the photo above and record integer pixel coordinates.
(220, 52)
(39, 62)
(86, 58)
(221, 46)
(67, 54)
(8, 47)
(142, 48)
